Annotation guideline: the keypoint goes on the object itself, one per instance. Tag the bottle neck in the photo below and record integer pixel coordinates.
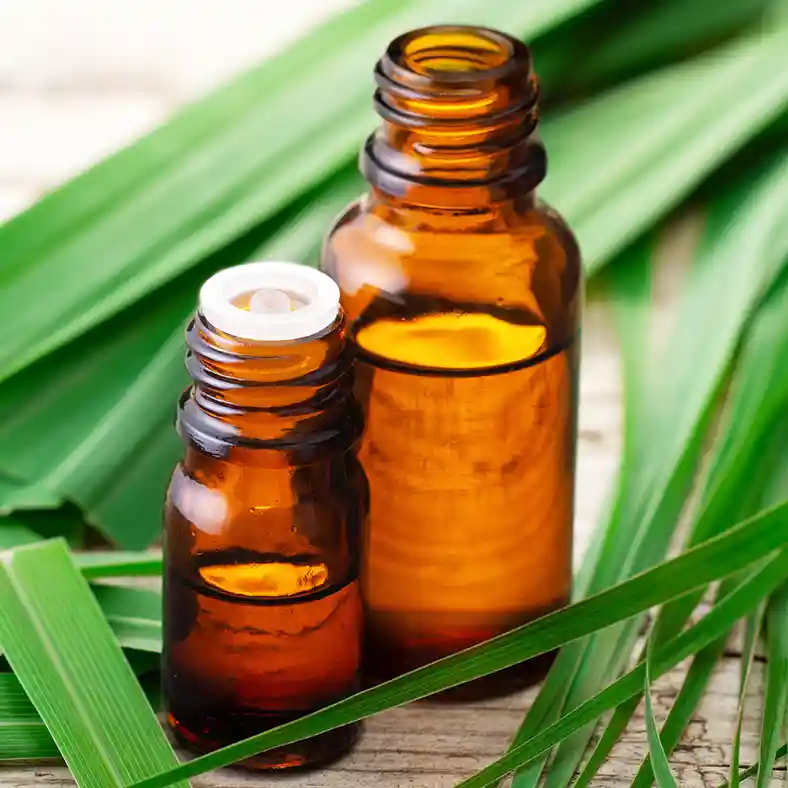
(460, 109)
(294, 397)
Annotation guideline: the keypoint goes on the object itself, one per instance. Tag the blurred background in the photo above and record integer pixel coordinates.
(80, 79)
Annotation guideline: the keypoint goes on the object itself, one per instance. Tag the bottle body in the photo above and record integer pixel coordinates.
(465, 308)
(262, 605)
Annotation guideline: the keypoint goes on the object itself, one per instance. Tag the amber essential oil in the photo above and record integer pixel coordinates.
(262, 604)
(464, 292)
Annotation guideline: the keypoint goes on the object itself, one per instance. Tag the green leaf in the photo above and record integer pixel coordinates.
(744, 246)
(776, 690)
(88, 697)
(751, 771)
(692, 689)
(118, 563)
(114, 454)
(708, 629)
(675, 129)
(223, 166)
(13, 534)
(630, 39)
(134, 615)
(662, 771)
(754, 624)
(15, 495)
(23, 734)
(738, 548)
(761, 476)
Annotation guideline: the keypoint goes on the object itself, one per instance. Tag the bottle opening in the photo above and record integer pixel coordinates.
(446, 57)
(459, 106)
(270, 301)
(439, 52)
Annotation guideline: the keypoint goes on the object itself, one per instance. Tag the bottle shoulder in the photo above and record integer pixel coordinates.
(516, 255)
(374, 228)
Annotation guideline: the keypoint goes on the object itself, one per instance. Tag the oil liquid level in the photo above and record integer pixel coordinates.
(469, 452)
(255, 641)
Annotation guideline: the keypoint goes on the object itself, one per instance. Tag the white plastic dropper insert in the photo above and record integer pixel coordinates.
(287, 301)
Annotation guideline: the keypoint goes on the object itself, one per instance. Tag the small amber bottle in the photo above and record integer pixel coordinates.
(464, 292)
(262, 606)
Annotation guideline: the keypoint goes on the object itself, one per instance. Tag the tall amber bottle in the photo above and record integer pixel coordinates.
(262, 606)
(464, 293)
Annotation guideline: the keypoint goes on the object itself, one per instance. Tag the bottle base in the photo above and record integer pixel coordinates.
(392, 649)
(318, 751)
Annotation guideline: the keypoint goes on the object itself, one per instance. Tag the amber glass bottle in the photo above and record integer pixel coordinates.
(464, 293)
(262, 606)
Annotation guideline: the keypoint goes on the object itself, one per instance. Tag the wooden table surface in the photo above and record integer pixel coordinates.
(94, 76)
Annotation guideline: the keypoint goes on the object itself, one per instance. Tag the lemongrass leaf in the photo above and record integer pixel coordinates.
(738, 548)
(124, 422)
(13, 534)
(754, 624)
(692, 688)
(667, 154)
(705, 631)
(662, 772)
(225, 165)
(742, 255)
(134, 615)
(627, 43)
(118, 563)
(18, 495)
(23, 734)
(546, 709)
(762, 472)
(89, 698)
(776, 690)
(751, 771)
(610, 735)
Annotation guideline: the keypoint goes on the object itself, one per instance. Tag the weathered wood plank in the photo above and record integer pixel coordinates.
(427, 745)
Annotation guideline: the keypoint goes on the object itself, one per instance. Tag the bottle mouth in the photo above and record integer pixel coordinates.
(455, 56)
(460, 107)
(270, 301)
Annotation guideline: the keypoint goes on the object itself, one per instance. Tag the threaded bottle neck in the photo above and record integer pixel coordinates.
(271, 387)
(459, 110)
(295, 397)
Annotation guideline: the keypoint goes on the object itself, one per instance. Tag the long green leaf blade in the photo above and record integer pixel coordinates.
(223, 167)
(740, 547)
(134, 615)
(662, 772)
(746, 244)
(23, 734)
(751, 771)
(709, 628)
(666, 155)
(776, 691)
(754, 624)
(118, 563)
(73, 670)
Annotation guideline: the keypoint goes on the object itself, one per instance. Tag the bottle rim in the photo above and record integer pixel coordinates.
(317, 293)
